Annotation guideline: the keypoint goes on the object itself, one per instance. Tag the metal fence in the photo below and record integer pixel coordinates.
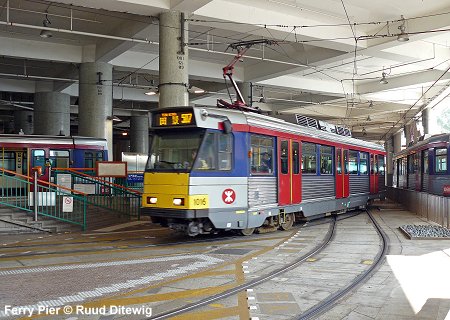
(432, 207)
(101, 192)
(42, 198)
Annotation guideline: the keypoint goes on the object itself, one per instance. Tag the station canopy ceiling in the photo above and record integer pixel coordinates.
(326, 58)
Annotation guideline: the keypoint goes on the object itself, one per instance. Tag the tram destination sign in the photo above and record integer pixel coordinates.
(173, 119)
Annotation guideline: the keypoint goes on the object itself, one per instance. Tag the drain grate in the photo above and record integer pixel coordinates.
(238, 252)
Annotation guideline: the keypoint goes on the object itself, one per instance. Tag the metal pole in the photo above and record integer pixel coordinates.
(35, 195)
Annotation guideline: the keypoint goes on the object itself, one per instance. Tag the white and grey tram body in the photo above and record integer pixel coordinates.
(212, 168)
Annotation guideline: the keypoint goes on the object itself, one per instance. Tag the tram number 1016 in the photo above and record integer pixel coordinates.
(200, 201)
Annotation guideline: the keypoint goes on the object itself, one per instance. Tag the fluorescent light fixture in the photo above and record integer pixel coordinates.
(46, 33)
(152, 92)
(113, 118)
(194, 89)
(383, 79)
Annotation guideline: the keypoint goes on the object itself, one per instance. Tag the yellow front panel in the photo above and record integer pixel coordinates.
(167, 186)
(163, 178)
(165, 189)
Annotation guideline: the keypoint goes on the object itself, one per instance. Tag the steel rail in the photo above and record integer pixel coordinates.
(331, 300)
(255, 282)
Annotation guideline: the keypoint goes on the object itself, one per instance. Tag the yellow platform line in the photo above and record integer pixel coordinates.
(125, 299)
(153, 298)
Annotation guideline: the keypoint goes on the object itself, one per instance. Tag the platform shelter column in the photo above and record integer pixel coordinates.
(139, 133)
(173, 60)
(95, 102)
(51, 110)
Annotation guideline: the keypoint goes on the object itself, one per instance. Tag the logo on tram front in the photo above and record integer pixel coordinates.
(228, 196)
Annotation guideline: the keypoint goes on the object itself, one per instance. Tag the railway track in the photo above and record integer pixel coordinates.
(333, 299)
(319, 308)
(255, 282)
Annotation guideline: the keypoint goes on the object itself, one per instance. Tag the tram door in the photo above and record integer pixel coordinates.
(289, 178)
(341, 172)
(373, 173)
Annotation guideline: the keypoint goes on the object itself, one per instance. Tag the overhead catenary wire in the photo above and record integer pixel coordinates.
(415, 103)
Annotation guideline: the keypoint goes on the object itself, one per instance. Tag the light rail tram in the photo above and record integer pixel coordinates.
(211, 169)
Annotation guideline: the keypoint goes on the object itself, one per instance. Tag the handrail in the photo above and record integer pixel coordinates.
(44, 182)
(21, 191)
(17, 174)
(98, 179)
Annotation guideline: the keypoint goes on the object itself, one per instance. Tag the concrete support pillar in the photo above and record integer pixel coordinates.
(397, 142)
(52, 113)
(95, 102)
(246, 90)
(139, 133)
(173, 60)
(426, 121)
(23, 120)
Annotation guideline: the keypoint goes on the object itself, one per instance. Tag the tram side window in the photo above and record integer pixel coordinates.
(206, 159)
(295, 158)
(309, 158)
(89, 160)
(402, 166)
(262, 154)
(339, 162)
(363, 162)
(60, 158)
(225, 151)
(441, 160)
(99, 156)
(380, 164)
(425, 162)
(353, 162)
(38, 159)
(326, 160)
(8, 161)
(284, 157)
(411, 164)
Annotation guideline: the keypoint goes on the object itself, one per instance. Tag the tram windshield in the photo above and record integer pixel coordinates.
(174, 150)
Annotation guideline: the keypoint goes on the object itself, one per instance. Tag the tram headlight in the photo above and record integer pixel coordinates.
(178, 201)
(152, 200)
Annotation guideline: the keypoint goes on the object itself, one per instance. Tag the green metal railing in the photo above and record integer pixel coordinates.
(103, 193)
(64, 204)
